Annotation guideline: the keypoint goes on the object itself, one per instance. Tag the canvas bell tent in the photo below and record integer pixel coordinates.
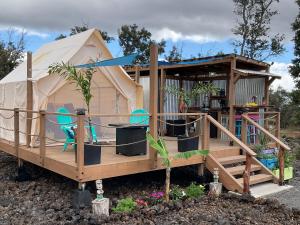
(112, 89)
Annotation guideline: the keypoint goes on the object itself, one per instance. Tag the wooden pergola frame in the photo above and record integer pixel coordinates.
(227, 66)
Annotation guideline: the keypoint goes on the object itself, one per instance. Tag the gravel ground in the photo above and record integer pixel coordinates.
(47, 200)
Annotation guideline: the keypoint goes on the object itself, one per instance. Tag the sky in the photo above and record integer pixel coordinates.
(196, 26)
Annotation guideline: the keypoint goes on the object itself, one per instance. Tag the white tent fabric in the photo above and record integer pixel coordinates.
(113, 90)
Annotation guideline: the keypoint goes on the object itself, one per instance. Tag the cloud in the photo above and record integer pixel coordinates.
(28, 32)
(286, 80)
(196, 20)
(168, 34)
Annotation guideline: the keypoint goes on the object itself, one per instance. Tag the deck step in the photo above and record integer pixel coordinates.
(232, 159)
(256, 179)
(237, 170)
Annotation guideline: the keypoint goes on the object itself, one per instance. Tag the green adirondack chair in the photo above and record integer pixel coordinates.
(142, 120)
(66, 125)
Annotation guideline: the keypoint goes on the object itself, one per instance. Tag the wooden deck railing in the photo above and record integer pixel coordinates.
(248, 151)
(281, 146)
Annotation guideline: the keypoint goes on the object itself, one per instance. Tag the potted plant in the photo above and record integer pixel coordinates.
(82, 79)
(186, 143)
(160, 146)
(267, 156)
(289, 159)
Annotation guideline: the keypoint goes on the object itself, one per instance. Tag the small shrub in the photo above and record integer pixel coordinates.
(177, 193)
(125, 205)
(194, 191)
(155, 198)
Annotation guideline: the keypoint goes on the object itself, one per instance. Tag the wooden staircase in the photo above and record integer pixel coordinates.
(238, 168)
(232, 167)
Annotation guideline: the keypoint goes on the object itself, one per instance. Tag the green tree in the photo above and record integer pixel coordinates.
(295, 67)
(175, 54)
(11, 52)
(253, 29)
(135, 40)
(288, 103)
(85, 27)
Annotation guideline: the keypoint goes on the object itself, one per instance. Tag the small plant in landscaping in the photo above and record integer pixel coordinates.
(141, 202)
(125, 205)
(156, 197)
(160, 146)
(194, 190)
(177, 193)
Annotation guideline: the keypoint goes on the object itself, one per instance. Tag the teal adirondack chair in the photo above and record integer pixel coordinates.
(143, 120)
(65, 125)
(65, 122)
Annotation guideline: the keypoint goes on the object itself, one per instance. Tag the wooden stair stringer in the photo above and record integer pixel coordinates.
(264, 169)
(226, 178)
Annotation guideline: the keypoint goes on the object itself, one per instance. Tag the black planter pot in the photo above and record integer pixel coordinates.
(92, 154)
(184, 144)
(174, 131)
(132, 134)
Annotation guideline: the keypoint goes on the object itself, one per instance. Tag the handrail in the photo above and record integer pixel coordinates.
(180, 114)
(231, 136)
(266, 132)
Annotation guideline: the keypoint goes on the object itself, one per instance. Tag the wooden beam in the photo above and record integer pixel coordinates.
(153, 100)
(236, 78)
(162, 98)
(42, 136)
(271, 80)
(17, 134)
(80, 145)
(231, 96)
(281, 165)
(205, 133)
(137, 74)
(29, 103)
(267, 91)
(246, 175)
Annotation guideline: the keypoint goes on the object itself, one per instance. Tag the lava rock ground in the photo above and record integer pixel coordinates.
(46, 199)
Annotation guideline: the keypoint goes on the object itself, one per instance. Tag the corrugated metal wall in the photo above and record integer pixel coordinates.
(245, 89)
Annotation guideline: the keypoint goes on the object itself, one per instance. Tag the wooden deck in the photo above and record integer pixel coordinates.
(112, 164)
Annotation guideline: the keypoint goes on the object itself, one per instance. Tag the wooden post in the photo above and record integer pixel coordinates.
(246, 175)
(29, 104)
(267, 88)
(231, 96)
(205, 133)
(153, 100)
(80, 144)
(16, 134)
(281, 165)
(220, 121)
(267, 91)
(42, 136)
(137, 74)
(244, 131)
(277, 127)
(161, 99)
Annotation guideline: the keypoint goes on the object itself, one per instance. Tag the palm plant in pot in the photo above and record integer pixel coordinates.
(83, 80)
(185, 101)
(161, 148)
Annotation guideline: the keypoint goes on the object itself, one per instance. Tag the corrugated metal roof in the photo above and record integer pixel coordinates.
(254, 72)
